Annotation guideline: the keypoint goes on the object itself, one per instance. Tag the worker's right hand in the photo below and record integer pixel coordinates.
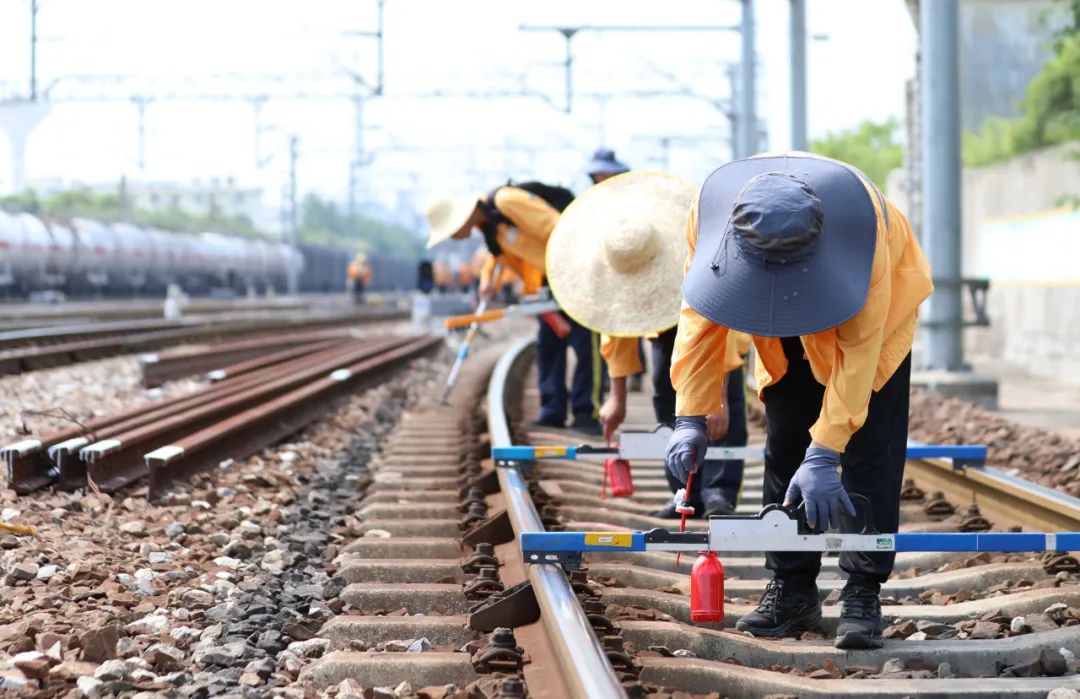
(486, 291)
(686, 448)
(612, 414)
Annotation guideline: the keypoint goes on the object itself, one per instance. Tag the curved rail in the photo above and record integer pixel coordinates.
(584, 663)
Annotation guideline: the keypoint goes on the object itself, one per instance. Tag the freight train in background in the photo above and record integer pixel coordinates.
(84, 258)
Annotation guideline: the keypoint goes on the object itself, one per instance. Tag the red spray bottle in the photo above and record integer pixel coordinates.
(707, 589)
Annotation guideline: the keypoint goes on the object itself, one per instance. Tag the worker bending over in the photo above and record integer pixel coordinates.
(615, 264)
(808, 257)
(516, 225)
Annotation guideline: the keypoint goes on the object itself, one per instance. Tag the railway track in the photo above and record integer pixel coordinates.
(433, 516)
(44, 347)
(172, 440)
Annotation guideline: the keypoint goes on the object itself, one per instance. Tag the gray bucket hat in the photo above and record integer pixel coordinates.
(604, 163)
(785, 245)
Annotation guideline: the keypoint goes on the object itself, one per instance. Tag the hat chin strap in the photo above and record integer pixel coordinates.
(631, 248)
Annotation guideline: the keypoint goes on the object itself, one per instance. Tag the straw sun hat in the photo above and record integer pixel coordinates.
(615, 259)
(446, 216)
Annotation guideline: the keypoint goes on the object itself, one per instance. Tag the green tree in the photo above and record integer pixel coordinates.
(873, 147)
(1050, 110)
(323, 222)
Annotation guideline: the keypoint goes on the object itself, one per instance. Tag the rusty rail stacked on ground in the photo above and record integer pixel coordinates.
(144, 335)
(235, 416)
(157, 368)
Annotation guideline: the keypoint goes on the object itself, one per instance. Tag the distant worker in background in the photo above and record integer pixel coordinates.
(444, 275)
(465, 276)
(615, 263)
(807, 256)
(359, 276)
(516, 221)
(604, 165)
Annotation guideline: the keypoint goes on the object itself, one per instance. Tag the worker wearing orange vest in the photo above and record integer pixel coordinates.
(615, 263)
(807, 256)
(517, 224)
(444, 276)
(359, 274)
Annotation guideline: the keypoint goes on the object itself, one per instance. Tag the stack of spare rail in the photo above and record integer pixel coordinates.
(250, 404)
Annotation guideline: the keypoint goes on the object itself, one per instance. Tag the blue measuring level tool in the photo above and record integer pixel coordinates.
(777, 528)
(965, 453)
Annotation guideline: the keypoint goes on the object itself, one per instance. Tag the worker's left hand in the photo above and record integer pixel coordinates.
(717, 423)
(818, 483)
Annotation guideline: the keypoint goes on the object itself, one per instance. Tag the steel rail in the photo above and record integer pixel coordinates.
(159, 367)
(246, 432)
(1007, 499)
(1010, 500)
(15, 361)
(115, 462)
(583, 662)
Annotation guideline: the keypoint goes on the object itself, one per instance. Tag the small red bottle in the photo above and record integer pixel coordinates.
(617, 472)
(707, 589)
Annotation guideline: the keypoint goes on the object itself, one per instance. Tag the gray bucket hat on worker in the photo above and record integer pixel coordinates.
(785, 245)
(604, 163)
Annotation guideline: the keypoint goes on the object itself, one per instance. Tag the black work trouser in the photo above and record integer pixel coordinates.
(715, 480)
(872, 464)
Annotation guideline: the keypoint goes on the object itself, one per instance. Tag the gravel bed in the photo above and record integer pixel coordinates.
(1039, 455)
(218, 591)
(39, 402)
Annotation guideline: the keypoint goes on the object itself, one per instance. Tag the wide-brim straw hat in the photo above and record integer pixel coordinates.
(615, 259)
(785, 245)
(446, 216)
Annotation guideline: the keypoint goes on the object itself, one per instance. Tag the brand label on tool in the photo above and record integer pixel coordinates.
(884, 543)
(549, 452)
(608, 539)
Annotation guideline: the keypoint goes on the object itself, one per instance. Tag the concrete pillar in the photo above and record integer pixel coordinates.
(798, 75)
(939, 31)
(748, 123)
(17, 120)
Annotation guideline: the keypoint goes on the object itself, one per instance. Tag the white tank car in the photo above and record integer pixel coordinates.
(97, 252)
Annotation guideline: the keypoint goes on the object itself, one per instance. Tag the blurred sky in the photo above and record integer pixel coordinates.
(420, 146)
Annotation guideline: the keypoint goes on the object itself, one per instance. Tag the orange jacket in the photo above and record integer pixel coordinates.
(359, 271)
(533, 220)
(623, 359)
(850, 360)
(531, 277)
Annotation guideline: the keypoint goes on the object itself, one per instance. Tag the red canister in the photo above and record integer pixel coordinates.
(617, 473)
(707, 589)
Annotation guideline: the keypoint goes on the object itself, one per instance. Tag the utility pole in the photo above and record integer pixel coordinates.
(798, 75)
(748, 112)
(33, 50)
(294, 218)
(569, 33)
(939, 30)
(141, 103)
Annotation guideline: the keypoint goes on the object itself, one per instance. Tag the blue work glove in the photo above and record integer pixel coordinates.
(686, 448)
(818, 483)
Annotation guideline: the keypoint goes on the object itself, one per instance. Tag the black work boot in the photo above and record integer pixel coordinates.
(787, 608)
(860, 617)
